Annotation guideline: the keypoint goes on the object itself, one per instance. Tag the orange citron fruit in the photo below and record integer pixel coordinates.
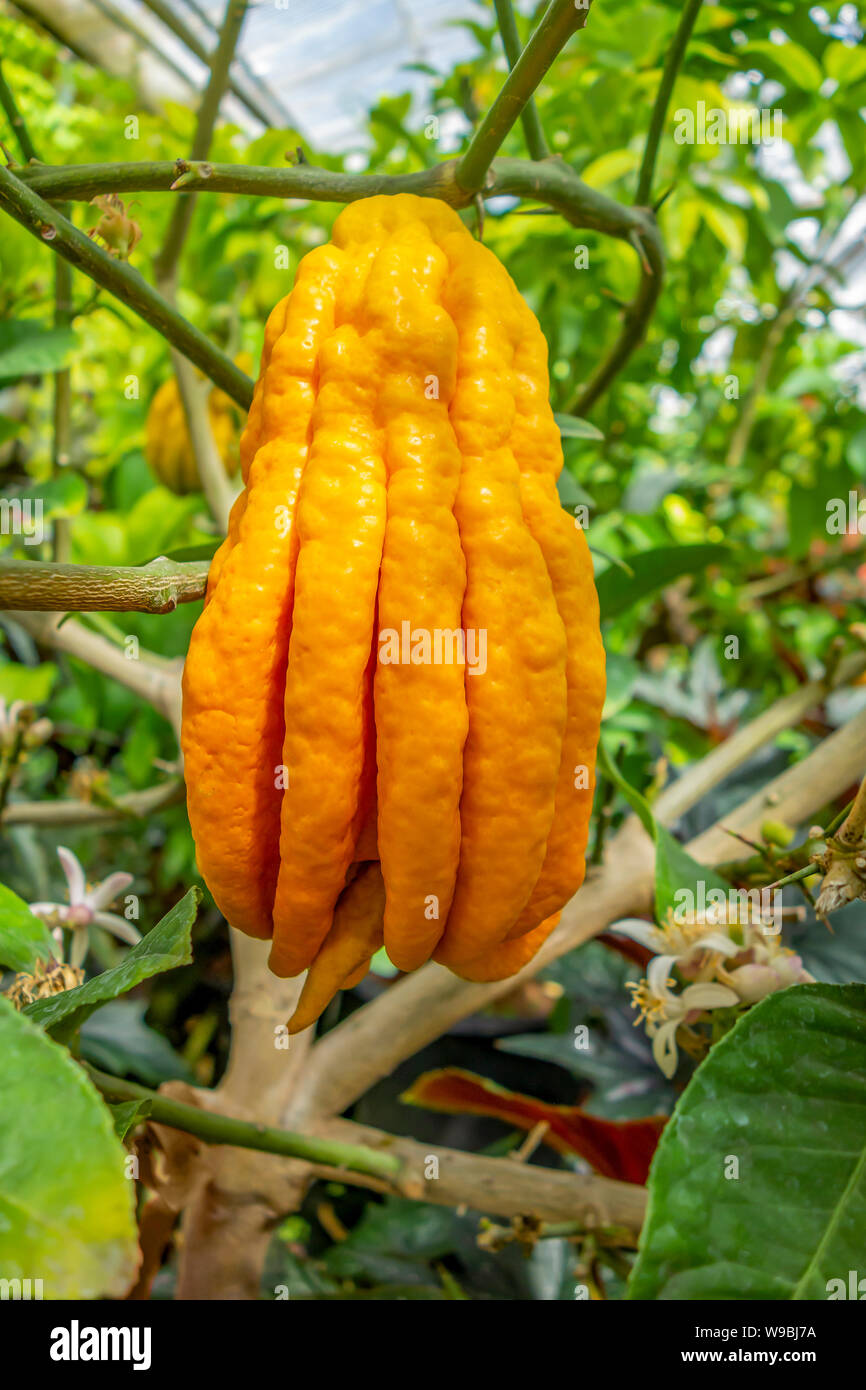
(392, 697)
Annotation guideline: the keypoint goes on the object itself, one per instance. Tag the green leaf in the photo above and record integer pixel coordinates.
(24, 937)
(638, 803)
(856, 453)
(651, 570)
(66, 1208)
(192, 552)
(609, 167)
(787, 61)
(675, 869)
(622, 673)
(164, 948)
(9, 427)
(783, 1093)
(845, 65)
(65, 495)
(30, 683)
(126, 1114)
(575, 427)
(117, 1039)
(29, 349)
(729, 228)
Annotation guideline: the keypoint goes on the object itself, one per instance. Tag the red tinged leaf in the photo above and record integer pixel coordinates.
(614, 1148)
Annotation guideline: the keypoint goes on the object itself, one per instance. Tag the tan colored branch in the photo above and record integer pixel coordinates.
(844, 860)
(57, 814)
(155, 679)
(194, 394)
(721, 761)
(793, 797)
(497, 1186)
(157, 587)
(238, 1194)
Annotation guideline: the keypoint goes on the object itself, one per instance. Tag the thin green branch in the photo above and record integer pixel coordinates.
(62, 409)
(303, 181)
(636, 319)
(673, 60)
(158, 587)
(16, 120)
(561, 19)
(529, 118)
(637, 315)
(551, 182)
(165, 264)
(48, 224)
(224, 1129)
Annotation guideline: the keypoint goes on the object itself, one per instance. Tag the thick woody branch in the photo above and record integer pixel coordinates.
(499, 1186)
(549, 181)
(157, 587)
(793, 797)
(229, 1212)
(702, 776)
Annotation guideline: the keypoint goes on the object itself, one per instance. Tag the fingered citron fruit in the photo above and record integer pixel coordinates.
(392, 697)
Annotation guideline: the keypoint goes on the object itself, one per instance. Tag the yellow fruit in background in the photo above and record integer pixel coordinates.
(168, 447)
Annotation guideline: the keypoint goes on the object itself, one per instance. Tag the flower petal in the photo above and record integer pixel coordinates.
(118, 926)
(78, 948)
(665, 1048)
(708, 996)
(658, 973)
(110, 888)
(74, 874)
(639, 930)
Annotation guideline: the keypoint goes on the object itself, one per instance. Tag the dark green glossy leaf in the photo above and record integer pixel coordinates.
(164, 948)
(652, 570)
(24, 938)
(758, 1187)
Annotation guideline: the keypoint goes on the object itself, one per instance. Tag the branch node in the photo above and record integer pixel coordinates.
(636, 241)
